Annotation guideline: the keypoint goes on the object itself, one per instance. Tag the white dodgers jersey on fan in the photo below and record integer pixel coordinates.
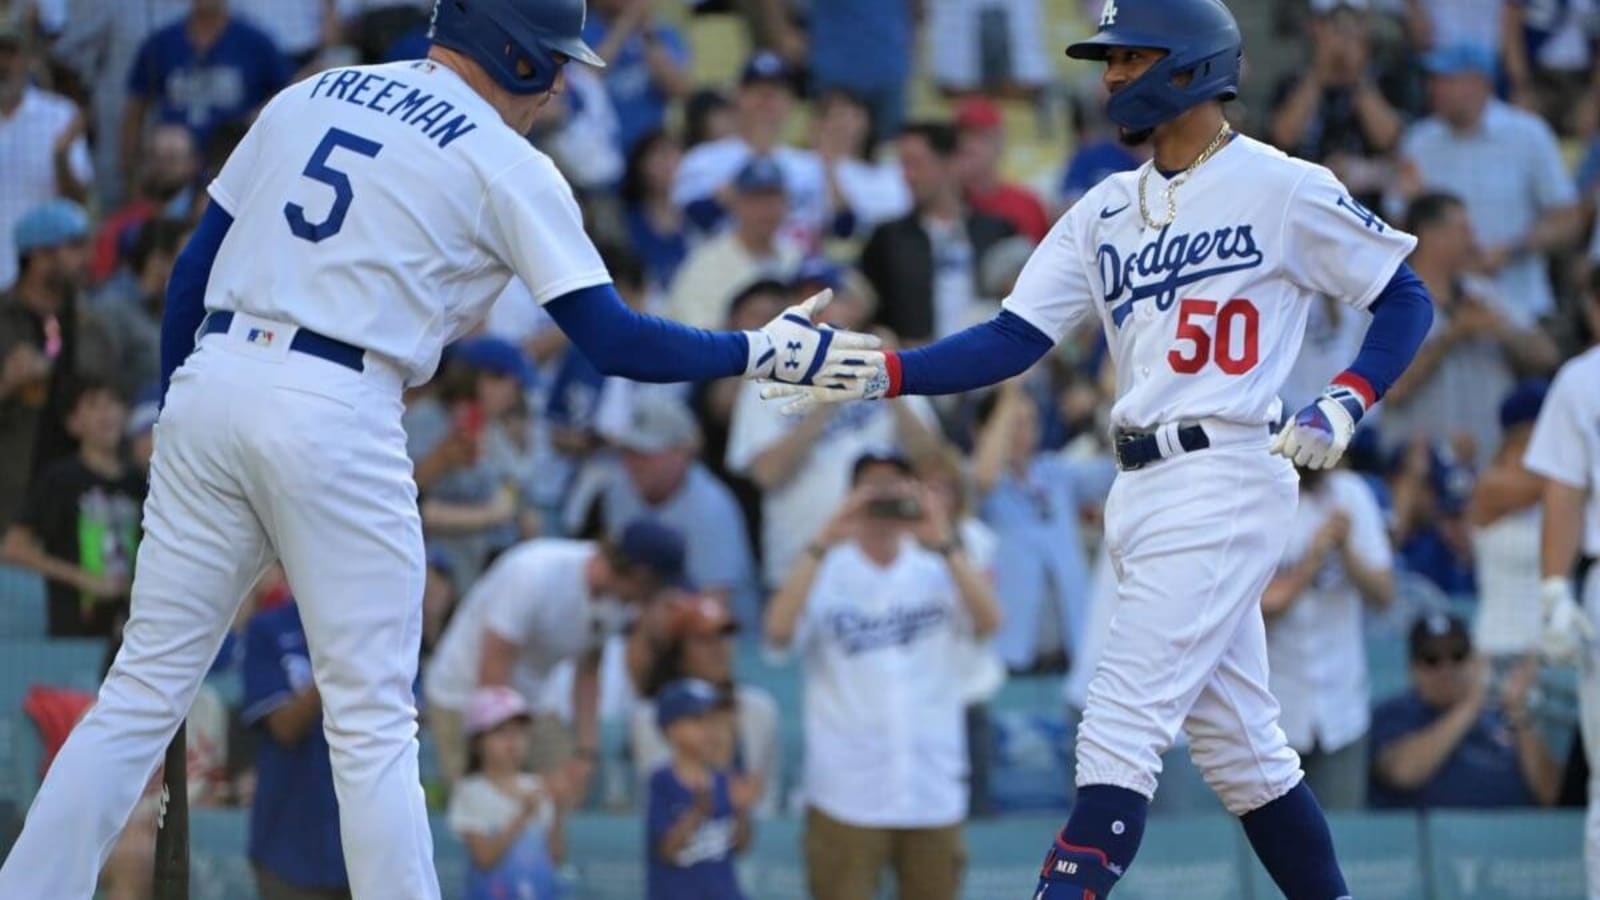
(1204, 318)
(387, 206)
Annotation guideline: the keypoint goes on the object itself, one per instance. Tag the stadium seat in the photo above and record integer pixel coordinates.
(1381, 854)
(22, 604)
(1506, 855)
(59, 662)
(219, 868)
(1192, 857)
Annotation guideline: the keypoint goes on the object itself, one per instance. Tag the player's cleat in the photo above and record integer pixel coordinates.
(1075, 873)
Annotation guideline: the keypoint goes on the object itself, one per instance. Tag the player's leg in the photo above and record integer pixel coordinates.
(1589, 723)
(202, 549)
(1178, 533)
(1235, 740)
(335, 493)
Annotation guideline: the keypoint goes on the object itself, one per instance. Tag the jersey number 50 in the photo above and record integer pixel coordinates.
(1238, 313)
(317, 169)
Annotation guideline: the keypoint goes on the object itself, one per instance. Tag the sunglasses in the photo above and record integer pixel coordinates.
(1434, 660)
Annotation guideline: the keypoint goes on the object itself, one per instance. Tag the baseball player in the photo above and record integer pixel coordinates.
(1202, 265)
(1565, 451)
(370, 215)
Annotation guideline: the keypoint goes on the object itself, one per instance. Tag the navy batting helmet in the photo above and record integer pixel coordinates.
(1200, 37)
(519, 42)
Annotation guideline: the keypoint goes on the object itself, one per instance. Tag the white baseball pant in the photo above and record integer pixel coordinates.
(1589, 723)
(1194, 540)
(261, 452)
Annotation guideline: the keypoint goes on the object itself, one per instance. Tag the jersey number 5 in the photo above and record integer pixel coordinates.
(317, 169)
(1238, 314)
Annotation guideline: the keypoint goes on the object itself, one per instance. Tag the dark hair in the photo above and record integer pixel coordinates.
(756, 289)
(222, 141)
(836, 95)
(870, 460)
(633, 188)
(623, 264)
(1429, 209)
(80, 387)
(697, 112)
(941, 136)
(155, 236)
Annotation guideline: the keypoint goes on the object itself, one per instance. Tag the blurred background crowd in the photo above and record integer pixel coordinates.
(868, 626)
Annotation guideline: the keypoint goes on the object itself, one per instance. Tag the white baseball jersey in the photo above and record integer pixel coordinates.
(406, 204)
(1204, 318)
(1566, 440)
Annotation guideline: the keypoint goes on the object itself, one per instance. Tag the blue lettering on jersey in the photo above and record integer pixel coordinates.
(1367, 216)
(860, 632)
(1158, 269)
(375, 92)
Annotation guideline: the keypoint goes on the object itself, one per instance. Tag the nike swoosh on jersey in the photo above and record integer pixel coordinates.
(1108, 212)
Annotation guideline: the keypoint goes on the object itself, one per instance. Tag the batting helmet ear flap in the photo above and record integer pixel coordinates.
(522, 44)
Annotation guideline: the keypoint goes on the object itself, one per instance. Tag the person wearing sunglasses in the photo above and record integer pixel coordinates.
(1451, 741)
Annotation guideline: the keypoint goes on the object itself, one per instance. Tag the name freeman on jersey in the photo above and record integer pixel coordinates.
(412, 107)
(1168, 263)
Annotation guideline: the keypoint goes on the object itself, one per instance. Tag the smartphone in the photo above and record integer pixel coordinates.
(904, 508)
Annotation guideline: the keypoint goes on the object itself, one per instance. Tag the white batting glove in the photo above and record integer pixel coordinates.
(1567, 631)
(794, 350)
(1316, 437)
(845, 375)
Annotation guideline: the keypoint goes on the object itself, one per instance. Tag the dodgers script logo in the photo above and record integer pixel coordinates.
(1170, 262)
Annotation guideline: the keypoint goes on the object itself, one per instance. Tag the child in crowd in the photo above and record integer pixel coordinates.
(508, 819)
(694, 822)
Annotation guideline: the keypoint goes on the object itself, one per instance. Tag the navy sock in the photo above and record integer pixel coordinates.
(1104, 831)
(1291, 839)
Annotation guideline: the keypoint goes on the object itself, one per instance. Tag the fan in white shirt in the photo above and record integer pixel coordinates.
(1337, 560)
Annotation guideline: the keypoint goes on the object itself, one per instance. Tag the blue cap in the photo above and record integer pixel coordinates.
(1458, 59)
(761, 173)
(496, 355)
(655, 546)
(50, 225)
(1522, 403)
(819, 270)
(764, 65)
(684, 698)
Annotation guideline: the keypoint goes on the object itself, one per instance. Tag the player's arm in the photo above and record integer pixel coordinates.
(1557, 452)
(185, 305)
(1335, 247)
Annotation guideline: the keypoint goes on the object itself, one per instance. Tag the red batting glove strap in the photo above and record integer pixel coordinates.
(1358, 384)
(891, 365)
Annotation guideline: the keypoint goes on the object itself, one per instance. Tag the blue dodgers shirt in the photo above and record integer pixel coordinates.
(294, 824)
(1481, 773)
(641, 106)
(703, 869)
(202, 90)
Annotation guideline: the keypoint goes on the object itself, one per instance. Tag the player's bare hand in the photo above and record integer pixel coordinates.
(794, 349)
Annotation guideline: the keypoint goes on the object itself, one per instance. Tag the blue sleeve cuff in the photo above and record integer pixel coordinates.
(1401, 318)
(982, 355)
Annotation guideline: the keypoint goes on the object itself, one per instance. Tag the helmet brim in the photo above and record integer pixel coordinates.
(576, 50)
(1099, 46)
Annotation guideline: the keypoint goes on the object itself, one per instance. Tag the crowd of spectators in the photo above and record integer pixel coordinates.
(602, 551)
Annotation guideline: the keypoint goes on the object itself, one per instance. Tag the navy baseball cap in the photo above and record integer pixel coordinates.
(819, 271)
(1460, 59)
(1523, 402)
(685, 698)
(761, 173)
(496, 355)
(1436, 627)
(50, 224)
(655, 546)
(764, 65)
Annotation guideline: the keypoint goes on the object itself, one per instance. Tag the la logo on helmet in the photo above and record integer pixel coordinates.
(1108, 14)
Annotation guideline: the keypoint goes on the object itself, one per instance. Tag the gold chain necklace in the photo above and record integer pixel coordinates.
(1179, 179)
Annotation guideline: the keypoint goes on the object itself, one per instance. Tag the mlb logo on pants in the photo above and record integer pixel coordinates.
(260, 337)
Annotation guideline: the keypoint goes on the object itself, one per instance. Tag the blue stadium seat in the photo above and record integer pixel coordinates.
(1192, 857)
(1506, 855)
(1381, 854)
(22, 604)
(607, 853)
(219, 868)
(58, 662)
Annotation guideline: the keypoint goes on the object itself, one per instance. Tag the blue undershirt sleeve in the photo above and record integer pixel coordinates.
(185, 305)
(982, 355)
(1401, 317)
(621, 342)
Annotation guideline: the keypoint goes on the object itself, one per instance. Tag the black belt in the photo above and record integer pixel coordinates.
(305, 341)
(1137, 449)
